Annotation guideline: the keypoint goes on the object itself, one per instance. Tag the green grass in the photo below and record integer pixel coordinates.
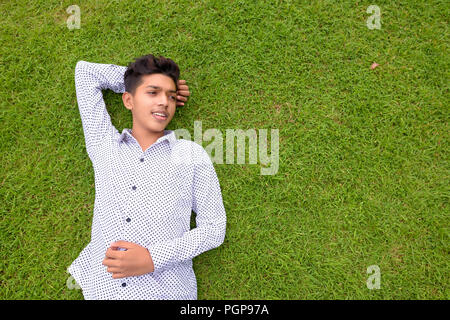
(363, 177)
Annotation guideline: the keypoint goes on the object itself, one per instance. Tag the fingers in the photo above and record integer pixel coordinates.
(114, 258)
(114, 267)
(113, 254)
(122, 244)
(114, 270)
(182, 86)
(181, 98)
(184, 91)
(111, 262)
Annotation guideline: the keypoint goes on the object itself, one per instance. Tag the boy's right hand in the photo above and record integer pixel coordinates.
(182, 93)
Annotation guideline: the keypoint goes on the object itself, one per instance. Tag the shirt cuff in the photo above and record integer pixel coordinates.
(160, 254)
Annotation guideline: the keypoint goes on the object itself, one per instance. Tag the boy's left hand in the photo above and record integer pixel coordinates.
(135, 261)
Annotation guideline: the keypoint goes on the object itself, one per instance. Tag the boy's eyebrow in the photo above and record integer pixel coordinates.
(159, 88)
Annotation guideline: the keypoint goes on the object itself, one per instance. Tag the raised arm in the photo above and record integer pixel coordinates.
(90, 80)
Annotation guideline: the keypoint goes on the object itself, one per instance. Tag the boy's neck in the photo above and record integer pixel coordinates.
(145, 138)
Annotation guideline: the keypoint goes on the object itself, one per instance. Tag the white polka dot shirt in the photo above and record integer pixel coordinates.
(145, 197)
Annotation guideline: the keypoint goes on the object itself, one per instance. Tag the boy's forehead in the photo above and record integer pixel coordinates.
(158, 80)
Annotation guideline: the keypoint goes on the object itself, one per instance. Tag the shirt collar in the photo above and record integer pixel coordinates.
(169, 135)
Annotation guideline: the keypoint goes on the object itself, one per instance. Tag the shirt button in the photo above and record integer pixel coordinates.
(142, 159)
(134, 187)
(124, 284)
(128, 219)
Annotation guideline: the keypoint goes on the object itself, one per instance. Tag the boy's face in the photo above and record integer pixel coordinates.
(153, 104)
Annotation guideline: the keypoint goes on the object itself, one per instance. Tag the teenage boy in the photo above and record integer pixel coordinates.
(147, 182)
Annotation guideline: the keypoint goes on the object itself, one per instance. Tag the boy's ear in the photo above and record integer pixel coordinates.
(127, 99)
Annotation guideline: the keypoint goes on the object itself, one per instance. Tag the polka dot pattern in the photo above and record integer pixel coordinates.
(145, 197)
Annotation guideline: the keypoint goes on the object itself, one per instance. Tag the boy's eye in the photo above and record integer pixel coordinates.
(173, 97)
(152, 92)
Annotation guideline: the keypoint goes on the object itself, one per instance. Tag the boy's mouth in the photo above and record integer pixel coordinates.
(161, 116)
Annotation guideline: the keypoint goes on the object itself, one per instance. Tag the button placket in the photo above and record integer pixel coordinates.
(141, 159)
(124, 199)
(134, 187)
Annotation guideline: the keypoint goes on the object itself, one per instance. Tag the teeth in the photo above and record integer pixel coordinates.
(160, 114)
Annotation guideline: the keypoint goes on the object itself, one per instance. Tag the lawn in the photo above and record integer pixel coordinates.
(363, 175)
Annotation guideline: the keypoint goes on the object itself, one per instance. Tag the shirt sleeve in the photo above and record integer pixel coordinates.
(90, 80)
(210, 220)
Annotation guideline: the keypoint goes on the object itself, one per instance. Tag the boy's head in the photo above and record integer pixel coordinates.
(151, 92)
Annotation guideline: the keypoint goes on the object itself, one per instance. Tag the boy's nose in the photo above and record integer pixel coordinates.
(163, 101)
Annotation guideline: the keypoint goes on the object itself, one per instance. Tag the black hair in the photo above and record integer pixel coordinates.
(149, 64)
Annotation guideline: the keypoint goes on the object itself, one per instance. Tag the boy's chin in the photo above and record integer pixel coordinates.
(157, 128)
